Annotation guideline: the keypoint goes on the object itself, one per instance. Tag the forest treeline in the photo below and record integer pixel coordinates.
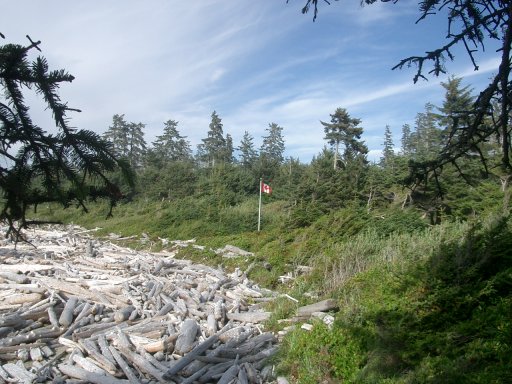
(339, 176)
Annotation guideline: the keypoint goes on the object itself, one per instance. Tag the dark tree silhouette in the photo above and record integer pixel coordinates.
(69, 166)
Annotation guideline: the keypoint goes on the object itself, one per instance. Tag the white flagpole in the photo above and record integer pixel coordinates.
(259, 208)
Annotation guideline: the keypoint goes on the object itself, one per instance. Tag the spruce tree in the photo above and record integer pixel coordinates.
(127, 139)
(213, 147)
(136, 144)
(248, 154)
(406, 141)
(171, 146)
(388, 152)
(345, 131)
(67, 166)
(117, 134)
(271, 154)
(427, 138)
(228, 151)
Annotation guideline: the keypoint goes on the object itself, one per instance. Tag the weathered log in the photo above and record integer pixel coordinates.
(242, 376)
(9, 356)
(42, 333)
(66, 317)
(250, 347)
(130, 375)
(186, 337)
(71, 345)
(321, 306)
(142, 364)
(211, 324)
(189, 357)
(230, 374)
(52, 316)
(101, 360)
(4, 375)
(17, 278)
(36, 354)
(232, 335)
(196, 375)
(252, 374)
(249, 317)
(90, 377)
(92, 329)
(23, 287)
(122, 339)
(215, 372)
(165, 309)
(19, 372)
(123, 313)
(157, 346)
(85, 311)
(151, 359)
(22, 298)
(105, 348)
(14, 320)
(88, 364)
(15, 348)
(75, 325)
(260, 358)
(78, 291)
(4, 331)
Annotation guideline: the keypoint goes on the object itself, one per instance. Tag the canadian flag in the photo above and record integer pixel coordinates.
(265, 188)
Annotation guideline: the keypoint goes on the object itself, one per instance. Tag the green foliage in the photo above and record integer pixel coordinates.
(37, 167)
(397, 222)
(127, 140)
(271, 154)
(345, 131)
(439, 314)
(170, 146)
(213, 149)
(321, 355)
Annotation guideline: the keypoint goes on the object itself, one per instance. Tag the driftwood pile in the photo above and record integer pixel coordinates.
(76, 309)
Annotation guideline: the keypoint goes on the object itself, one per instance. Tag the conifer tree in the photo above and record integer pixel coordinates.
(213, 147)
(345, 131)
(406, 140)
(127, 139)
(457, 104)
(136, 144)
(248, 154)
(67, 166)
(228, 155)
(271, 154)
(171, 146)
(118, 134)
(388, 152)
(426, 140)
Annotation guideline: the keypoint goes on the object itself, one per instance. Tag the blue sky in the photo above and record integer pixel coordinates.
(254, 62)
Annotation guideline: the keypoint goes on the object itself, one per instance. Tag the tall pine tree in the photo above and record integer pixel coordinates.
(344, 131)
(171, 146)
(248, 154)
(213, 147)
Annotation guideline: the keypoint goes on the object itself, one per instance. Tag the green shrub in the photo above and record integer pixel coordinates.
(321, 355)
